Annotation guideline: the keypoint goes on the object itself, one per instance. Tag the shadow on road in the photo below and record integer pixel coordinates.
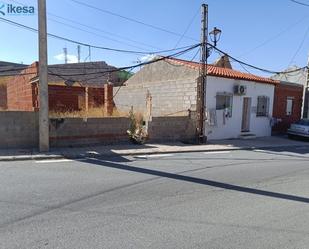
(198, 180)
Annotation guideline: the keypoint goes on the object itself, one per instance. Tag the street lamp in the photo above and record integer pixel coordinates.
(215, 35)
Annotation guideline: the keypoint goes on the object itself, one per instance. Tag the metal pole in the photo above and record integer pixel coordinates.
(78, 53)
(202, 81)
(65, 52)
(306, 95)
(43, 83)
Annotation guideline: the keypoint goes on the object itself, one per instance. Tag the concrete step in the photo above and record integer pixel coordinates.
(247, 135)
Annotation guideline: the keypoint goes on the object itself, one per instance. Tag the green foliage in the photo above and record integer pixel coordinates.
(124, 75)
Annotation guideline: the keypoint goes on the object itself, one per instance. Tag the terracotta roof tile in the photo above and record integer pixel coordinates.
(224, 72)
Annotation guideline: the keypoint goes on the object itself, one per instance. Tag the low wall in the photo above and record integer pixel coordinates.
(18, 130)
(79, 131)
(182, 128)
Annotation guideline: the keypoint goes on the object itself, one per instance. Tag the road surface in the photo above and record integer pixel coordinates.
(239, 199)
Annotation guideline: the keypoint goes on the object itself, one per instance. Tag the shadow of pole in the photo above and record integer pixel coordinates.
(198, 180)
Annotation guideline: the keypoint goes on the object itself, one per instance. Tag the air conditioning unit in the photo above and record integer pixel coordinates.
(240, 90)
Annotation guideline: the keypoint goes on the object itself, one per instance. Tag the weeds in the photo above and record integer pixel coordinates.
(96, 112)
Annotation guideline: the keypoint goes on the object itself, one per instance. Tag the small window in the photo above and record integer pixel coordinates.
(224, 101)
(262, 106)
(289, 106)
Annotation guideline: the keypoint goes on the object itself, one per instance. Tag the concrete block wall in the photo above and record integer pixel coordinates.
(172, 88)
(172, 128)
(78, 131)
(18, 130)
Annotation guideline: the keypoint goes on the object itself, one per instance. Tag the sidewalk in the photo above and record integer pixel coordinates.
(131, 149)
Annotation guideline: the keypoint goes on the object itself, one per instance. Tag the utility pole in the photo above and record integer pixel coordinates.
(43, 82)
(202, 80)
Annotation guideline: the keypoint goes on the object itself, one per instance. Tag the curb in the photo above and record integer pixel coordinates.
(109, 155)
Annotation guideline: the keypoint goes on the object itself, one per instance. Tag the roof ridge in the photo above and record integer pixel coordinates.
(225, 72)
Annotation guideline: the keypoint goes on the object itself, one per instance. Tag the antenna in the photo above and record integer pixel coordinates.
(89, 53)
(65, 52)
(78, 53)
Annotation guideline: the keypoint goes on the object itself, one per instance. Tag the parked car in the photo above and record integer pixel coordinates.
(299, 129)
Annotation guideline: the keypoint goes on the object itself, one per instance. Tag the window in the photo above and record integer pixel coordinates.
(289, 106)
(262, 106)
(224, 101)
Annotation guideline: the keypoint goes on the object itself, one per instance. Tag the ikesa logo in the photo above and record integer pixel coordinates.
(11, 9)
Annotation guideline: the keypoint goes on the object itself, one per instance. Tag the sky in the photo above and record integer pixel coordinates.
(272, 34)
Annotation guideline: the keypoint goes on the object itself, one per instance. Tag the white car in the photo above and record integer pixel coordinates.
(299, 129)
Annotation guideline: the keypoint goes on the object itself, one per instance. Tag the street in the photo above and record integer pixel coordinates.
(224, 199)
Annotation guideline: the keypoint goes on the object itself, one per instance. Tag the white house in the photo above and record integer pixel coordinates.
(238, 108)
(238, 104)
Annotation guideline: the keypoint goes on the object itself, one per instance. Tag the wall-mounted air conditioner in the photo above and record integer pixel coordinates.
(240, 90)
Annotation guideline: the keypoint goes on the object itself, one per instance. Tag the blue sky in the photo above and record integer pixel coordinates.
(271, 34)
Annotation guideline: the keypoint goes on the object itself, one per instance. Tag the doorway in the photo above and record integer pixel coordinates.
(246, 112)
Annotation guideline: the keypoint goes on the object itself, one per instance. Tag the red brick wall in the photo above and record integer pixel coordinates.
(282, 92)
(108, 101)
(24, 96)
(20, 91)
(95, 97)
(66, 98)
(3, 101)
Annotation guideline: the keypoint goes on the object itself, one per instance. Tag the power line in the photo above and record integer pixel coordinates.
(275, 36)
(175, 55)
(304, 4)
(196, 53)
(131, 19)
(86, 44)
(300, 46)
(106, 71)
(93, 33)
(252, 66)
(93, 28)
(139, 64)
(187, 28)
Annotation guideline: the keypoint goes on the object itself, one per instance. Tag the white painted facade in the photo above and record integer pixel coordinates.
(222, 127)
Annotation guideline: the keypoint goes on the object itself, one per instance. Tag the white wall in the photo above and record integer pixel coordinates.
(260, 126)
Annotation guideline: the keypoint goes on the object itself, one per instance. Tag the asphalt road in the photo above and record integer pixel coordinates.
(240, 199)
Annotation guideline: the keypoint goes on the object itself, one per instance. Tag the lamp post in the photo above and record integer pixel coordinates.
(215, 35)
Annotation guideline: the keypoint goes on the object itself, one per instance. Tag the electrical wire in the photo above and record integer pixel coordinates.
(300, 46)
(186, 30)
(274, 37)
(106, 71)
(304, 4)
(86, 44)
(184, 51)
(93, 33)
(136, 65)
(130, 19)
(252, 66)
(93, 28)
